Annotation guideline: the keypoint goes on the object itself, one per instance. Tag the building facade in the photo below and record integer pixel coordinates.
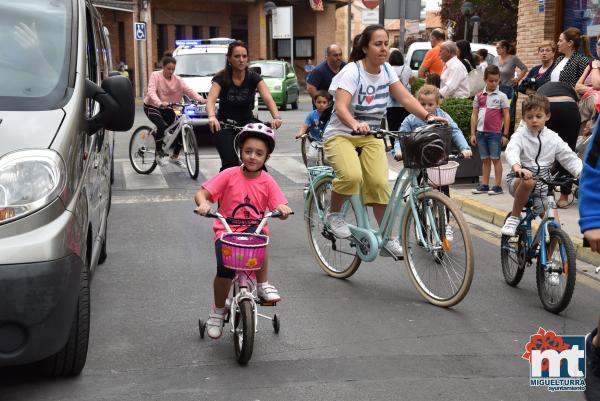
(169, 20)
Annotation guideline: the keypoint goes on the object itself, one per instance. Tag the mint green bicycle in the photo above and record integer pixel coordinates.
(438, 252)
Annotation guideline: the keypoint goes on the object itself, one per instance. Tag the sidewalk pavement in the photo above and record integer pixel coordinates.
(494, 208)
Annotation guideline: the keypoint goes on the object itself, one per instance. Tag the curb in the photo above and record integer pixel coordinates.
(496, 217)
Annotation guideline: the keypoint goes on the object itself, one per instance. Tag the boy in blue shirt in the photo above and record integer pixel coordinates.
(313, 124)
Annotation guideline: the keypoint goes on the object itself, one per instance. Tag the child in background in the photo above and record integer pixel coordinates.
(433, 79)
(322, 100)
(533, 148)
(489, 129)
(249, 190)
(482, 53)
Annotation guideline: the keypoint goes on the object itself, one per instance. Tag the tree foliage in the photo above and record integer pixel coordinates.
(498, 19)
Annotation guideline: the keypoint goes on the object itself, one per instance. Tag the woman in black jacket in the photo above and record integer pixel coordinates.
(569, 67)
(540, 74)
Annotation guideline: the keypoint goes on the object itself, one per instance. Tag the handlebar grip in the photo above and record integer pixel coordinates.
(277, 213)
(209, 214)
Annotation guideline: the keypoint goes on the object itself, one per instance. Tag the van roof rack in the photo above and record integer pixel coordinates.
(191, 43)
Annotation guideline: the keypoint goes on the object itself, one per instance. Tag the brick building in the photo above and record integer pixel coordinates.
(168, 20)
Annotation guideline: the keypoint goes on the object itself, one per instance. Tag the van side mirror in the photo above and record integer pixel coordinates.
(291, 75)
(255, 68)
(117, 104)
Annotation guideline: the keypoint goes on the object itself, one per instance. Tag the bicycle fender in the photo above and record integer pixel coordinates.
(311, 190)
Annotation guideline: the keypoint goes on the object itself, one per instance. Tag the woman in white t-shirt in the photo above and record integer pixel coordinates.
(362, 90)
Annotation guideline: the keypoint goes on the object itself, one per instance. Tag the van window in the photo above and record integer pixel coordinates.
(417, 58)
(199, 65)
(34, 52)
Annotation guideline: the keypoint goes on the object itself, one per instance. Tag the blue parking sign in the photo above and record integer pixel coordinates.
(139, 29)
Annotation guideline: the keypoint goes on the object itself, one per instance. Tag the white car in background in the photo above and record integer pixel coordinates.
(417, 50)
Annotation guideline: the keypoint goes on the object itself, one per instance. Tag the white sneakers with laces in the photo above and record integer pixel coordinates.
(337, 225)
(178, 162)
(392, 246)
(510, 226)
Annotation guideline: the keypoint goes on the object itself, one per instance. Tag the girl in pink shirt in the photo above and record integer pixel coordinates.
(245, 192)
(165, 87)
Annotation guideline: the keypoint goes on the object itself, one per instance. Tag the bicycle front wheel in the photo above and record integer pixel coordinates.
(556, 283)
(304, 147)
(191, 153)
(142, 150)
(440, 264)
(243, 332)
(512, 256)
(337, 257)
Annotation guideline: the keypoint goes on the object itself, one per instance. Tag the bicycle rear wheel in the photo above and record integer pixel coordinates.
(337, 257)
(512, 256)
(142, 150)
(243, 332)
(191, 154)
(304, 147)
(443, 273)
(556, 284)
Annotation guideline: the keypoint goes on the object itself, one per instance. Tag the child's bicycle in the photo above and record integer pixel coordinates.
(440, 267)
(308, 141)
(556, 258)
(142, 145)
(245, 253)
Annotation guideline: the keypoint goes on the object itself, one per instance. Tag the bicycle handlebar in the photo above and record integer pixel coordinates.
(556, 181)
(381, 133)
(233, 124)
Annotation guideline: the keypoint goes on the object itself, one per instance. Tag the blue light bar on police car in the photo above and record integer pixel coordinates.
(203, 42)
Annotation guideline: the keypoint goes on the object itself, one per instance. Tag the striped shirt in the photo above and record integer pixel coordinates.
(370, 95)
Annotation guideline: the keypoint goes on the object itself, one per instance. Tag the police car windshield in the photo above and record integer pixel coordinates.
(200, 64)
(34, 44)
(270, 70)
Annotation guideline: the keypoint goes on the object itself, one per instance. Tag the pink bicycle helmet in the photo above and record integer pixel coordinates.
(257, 130)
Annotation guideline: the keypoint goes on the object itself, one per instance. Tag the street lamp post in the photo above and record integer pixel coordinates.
(475, 20)
(269, 8)
(466, 9)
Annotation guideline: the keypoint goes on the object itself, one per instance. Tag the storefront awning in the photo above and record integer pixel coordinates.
(120, 5)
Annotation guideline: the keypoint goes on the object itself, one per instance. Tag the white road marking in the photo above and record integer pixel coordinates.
(133, 180)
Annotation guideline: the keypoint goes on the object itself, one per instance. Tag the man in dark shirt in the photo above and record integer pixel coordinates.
(321, 76)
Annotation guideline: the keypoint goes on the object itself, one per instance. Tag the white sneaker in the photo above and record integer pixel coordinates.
(449, 233)
(268, 293)
(510, 226)
(214, 324)
(177, 162)
(337, 225)
(392, 246)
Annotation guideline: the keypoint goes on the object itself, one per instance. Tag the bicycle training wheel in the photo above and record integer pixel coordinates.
(304, 148)
(191, 154)
(443, 273)
(243, 332)
(337, 257)
(556, 285)
(512, 256)
(142, 150)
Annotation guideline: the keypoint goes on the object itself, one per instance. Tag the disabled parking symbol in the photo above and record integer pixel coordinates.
(140, 30)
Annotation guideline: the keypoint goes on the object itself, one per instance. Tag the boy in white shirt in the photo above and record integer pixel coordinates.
(532, 150)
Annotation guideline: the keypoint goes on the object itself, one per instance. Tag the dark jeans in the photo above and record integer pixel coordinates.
(511, 94)
(226, 147)
(395, 116)
(162, 118)
(565, 120)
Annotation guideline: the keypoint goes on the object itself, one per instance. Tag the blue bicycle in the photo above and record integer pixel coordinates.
(551, 247)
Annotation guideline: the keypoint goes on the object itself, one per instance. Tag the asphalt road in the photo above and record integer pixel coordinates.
(371, 337)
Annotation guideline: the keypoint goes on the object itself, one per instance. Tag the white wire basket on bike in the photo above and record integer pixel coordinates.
(315, 171)
(244, 251)
(442, 175)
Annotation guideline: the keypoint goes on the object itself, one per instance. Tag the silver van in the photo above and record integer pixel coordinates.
(58, 108)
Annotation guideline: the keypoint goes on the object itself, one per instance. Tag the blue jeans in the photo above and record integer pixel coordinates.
(508, 90)
(489, 144)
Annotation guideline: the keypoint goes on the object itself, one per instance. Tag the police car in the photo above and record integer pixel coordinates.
(198, 60)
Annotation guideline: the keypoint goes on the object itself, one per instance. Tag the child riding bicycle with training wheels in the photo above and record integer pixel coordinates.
(313, 125)
(532, 150)
(244, 191)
